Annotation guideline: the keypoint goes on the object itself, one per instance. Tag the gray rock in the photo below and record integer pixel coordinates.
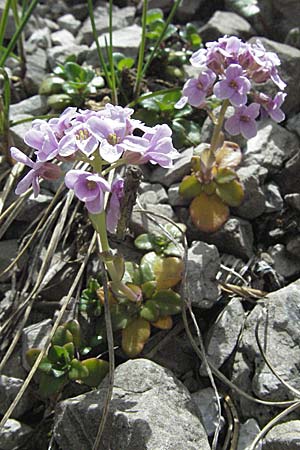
(254, 202)
(187, 9)
(293, 200)
(69, 23)
(142, 223)
(181, 167)
(9, 388)
(293, 246)
(18, 132)
(14, 434)
(271, 147)
(289, 72)
(9, 249)
(284, 436)
(33, 206)
(36, 70)
(288, 179)
(14, 367)
(284, 263)
(34, 106)
(274, 201)
(225, 23)
(127, 41)
(39, 39)
(285, 13)
(293, 124)
(293, 37)
(206, 402)
(152, 193)
(234, 238)
(61, 36)
(122, 18)
(224, 334)
(147, 402)
(35, 336)
(165, 5)
(175, 199)
(202, 267)
(279, 335)
(248, 431)
(59, 53)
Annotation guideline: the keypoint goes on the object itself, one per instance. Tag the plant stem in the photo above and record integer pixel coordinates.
(218, 127)
(114, 94)
(139, 74)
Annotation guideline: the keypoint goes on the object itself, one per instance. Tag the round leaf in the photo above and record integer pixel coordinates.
(208, 212)
(168, 272)
(231, 193)
(163, 323)
(144, 242)
(190, 187)
(168, 302)
(135, 336)
(150, 311)
(97, 368)
(78, 371)
(225, 175)
(31, 355)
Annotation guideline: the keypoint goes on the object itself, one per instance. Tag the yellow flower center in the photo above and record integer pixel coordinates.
(91, 185)
(82, 135)
(112, 139)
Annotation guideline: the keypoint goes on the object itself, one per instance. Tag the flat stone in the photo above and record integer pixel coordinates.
(14, 435)
(283, 436)
(39, 39)
(206, 402)
(175, 199)
(147, 402)
(188, 9)
(247, 433)
(202, 267)
(34, 106)
(224, 334)
(152, 193)
(274, 201)
(126, 41)
(18, 132)
(35, 70)
(225, 23)
(293, 200)
(288, 179)
(61, 36)
(69, 23)
(9, 388)
(271, 147)
(142, 223)
(284, 263)
(181, 167)
(254, 202)
(59, 53)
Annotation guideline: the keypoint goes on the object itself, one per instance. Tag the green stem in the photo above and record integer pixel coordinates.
(141, 51)
(111, 62)
(30, 119)
(218, 127)
(118, 163)
(4, 19)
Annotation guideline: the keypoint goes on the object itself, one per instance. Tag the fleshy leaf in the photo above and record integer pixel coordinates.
(74, 327)
(70, 349)
(31, 355)
(58, 354)
(150, 311)
(148, 288)
(168, 272)
(51, 85)
(122, 315)
(168, 302)
(144, 242)
(163, 323)
(231, 193)
(190, 187)
(49, 385)
(62, 336)
(78, 371)
(97, 368)
(208, 212)
(147, 266)
(225, 175)
(135, 336)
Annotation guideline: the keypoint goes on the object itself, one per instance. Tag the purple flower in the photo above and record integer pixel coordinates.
(243, 121)
(154, 146)
(79, 137)
(42, 138)
(110, 133)
(272, 106)
(62, 123)
(113, 212)
(46, 170)
(234, 87)
(89, 188)
(195, 90)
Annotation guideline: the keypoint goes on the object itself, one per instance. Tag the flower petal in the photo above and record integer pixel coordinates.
(21, 157)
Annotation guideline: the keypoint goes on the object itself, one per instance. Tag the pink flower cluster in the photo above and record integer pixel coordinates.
(103, 137)
(229, 69)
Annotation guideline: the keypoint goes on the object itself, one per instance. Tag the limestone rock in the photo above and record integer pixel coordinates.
(225, 23)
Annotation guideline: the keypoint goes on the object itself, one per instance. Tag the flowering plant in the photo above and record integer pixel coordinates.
(97, 143)
(230, 70)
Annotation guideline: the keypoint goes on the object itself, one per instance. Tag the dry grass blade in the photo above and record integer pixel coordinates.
(15, 204)
(272, 423)
(56, 324)
(14, 173)
(232, 436)
(242, 291)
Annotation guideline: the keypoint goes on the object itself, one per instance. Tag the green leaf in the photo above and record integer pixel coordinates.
(70, 349)
(208, 212)
(225, 175)
(32, 355)
(190, 186)
(190, 130)
(74, 328)
(153, 15)
(49, 385)
(135, 336)
(97, 368)
(168, 302)
(58, 102)
(132, 273)
(148, 288)
(168, 271)
(122, 315)
(58, 354)
(61, 336)
(144, 242)
(74, 72)
(45, 365)
(51, 85)
(150, 311)
(231, 193)
(78, 371)
(147, 266)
